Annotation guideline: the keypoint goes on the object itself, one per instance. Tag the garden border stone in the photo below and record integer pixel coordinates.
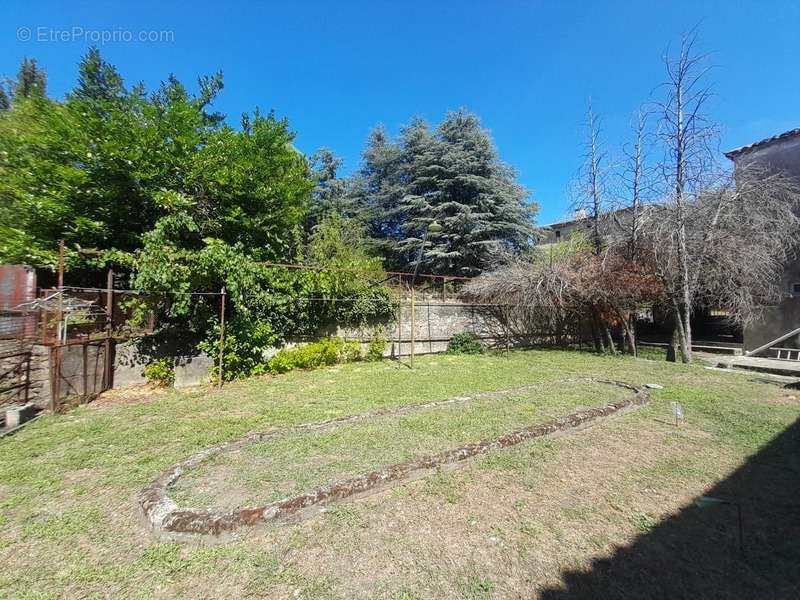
(167, 519)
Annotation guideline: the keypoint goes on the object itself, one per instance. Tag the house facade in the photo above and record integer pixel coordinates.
(780, 153)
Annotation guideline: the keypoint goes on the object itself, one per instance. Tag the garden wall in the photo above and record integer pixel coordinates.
(435, 324)
(130, 361)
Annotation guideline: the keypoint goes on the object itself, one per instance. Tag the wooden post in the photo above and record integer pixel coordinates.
(85, 393)
(53, 377)
(60, 289)
(400, 328)
(60, 264)
(221, 335)
(28, 378)
(413, 324)
(109, 370)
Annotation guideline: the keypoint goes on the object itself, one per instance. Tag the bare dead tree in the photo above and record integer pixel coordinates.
(738, 236)
(751, 231)
(570, 290)
(590, 185)
(636, 181)
(688, 165)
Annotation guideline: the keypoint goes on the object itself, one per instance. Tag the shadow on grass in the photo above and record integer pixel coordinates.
(695, 553)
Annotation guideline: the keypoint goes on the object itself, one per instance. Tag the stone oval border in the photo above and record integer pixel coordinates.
(169, 520)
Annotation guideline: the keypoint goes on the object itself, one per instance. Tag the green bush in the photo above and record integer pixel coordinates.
(465, 343)
(351, 352)
(246, 341)
(329, 351)
(160, 373)
(375, 347)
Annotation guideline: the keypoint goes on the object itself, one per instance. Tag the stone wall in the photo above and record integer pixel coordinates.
(39, 388)
(435, 324)
(130, 361)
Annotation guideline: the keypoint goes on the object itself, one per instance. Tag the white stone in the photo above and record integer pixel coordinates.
(17, 415)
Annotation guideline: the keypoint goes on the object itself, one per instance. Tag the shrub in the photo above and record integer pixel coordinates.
(160, 373)
(329, 351)
(351, 352)
(465, 343)
(246, 341)
(375, 347)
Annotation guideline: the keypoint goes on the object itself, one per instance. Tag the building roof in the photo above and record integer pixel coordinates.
(579, 219)
(732, 154)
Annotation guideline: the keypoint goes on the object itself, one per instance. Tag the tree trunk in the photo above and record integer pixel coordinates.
(672, 349)
(686, 348)
(683, 329)
(599, 347)
(630, 331)
(610, 338)
(597, 335)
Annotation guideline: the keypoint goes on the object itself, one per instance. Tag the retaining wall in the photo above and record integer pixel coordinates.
(130, 361)
(435, 324)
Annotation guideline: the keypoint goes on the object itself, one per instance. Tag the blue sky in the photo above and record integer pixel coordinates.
(337, 68)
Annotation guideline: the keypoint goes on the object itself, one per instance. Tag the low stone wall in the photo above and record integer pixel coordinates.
(434, 324)
(39, 386)
(130, 361)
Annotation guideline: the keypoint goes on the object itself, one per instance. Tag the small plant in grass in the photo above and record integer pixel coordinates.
(345, 514)
(643, 522)
(465, 343)
(475, 587)
(160, 373)
(444, 485)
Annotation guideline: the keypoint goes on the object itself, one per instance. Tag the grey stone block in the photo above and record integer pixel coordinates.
(192, 370)
(17, 415)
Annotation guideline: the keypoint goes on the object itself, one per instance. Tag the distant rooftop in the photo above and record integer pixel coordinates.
(732, 154)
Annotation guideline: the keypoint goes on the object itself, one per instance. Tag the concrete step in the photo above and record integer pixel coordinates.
(762, 365)
(708, 348)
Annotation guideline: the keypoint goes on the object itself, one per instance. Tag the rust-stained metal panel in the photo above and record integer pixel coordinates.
(17, 285)
(17, 327)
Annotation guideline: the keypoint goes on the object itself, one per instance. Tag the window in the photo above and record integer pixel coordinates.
(795, 288)
(558, 237)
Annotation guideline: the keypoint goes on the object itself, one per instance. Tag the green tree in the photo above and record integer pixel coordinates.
(331, 193)
(100, 169)
(5, 99)
(452, 175)
(31, 80)
(97, 79)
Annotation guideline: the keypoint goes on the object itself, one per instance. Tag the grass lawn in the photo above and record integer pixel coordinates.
(552, 518)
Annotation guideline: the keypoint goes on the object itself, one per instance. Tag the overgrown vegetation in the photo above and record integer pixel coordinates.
(159, 187)
(465, 342)
(325, 352)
